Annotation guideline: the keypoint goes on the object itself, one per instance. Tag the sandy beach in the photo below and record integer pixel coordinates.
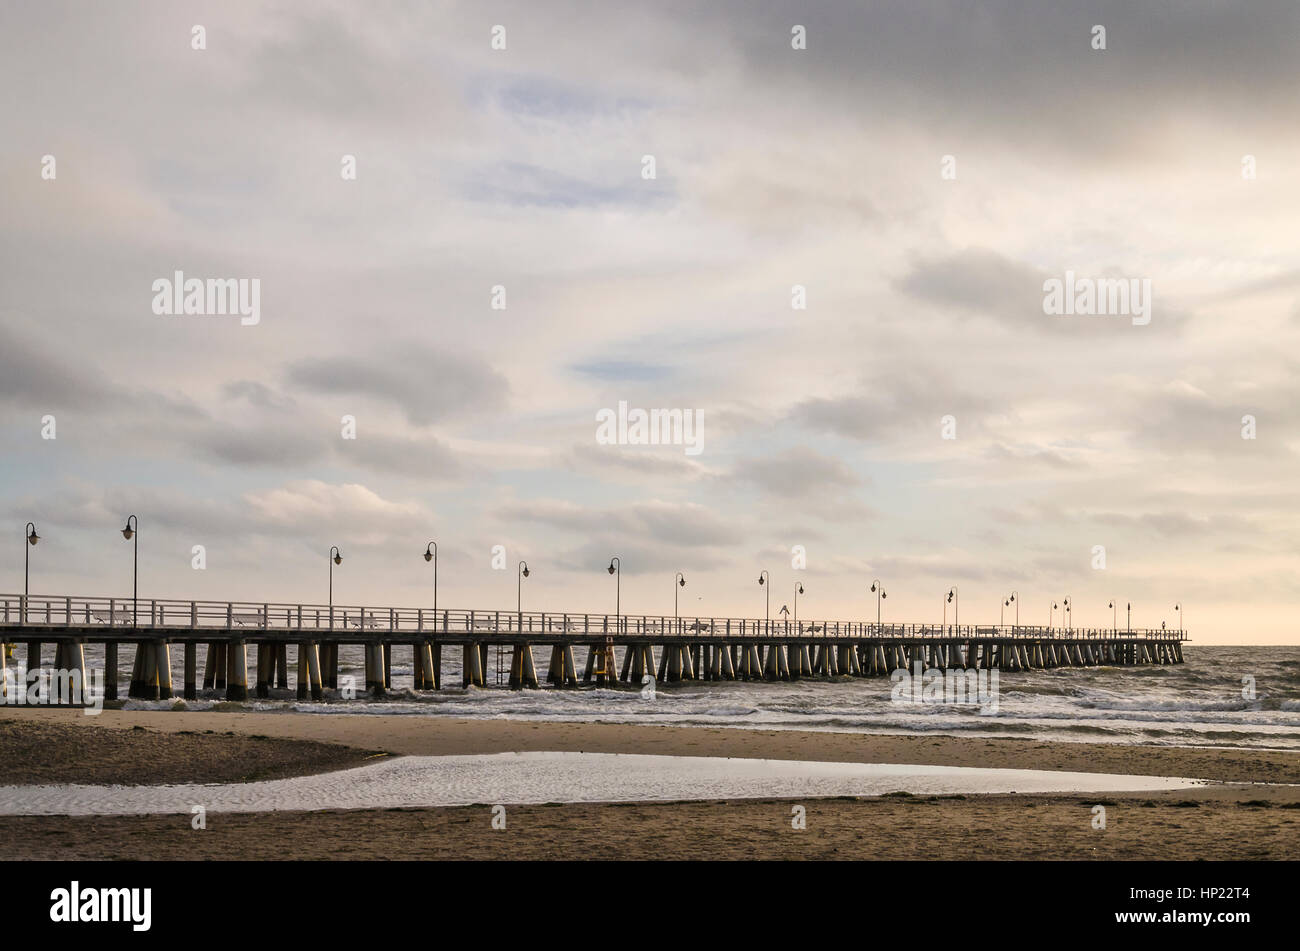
(1241, 819)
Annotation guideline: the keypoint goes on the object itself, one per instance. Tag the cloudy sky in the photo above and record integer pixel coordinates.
(523, 167)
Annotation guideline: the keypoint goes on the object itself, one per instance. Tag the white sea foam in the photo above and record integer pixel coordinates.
(517, 778)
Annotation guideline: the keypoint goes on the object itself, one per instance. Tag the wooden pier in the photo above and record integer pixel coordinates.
(620, 649)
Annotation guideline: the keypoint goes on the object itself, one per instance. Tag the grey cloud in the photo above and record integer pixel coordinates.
(256, 394)
(797, 473)
(632, 465)
(980, 280)
(427, 385)
(1032, 456)
(684, 525)
(895, 402)
(34, 376)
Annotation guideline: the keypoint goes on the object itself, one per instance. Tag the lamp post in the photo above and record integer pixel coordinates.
(1014, 599)
(879, 589)
(1050, 612)
(132, 531)
(798, 590)
(763, 578)
(29, 532)
(1177, 607)
(1129, 617)
(335, 558)
(1067, 614)
(1114, 619)
(680, 580)
(521, 574)
(616, 569)
(431, 554)
(955, 599)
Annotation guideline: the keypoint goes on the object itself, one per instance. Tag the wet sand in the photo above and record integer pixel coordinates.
(1221, 821)
(440, 736)
(38, 752)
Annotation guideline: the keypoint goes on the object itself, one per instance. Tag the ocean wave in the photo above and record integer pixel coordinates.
(1171, 705)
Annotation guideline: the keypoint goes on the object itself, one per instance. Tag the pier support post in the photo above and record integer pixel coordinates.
(639, 662)
(772, 663)
(164, 667)
(472, 666)
(265, 670)
(313, 672)
(672, 662)
(381, 671)
(726, 663)
(152, 677)
(191, 670)
(794, 657)
(432, 680)
(303, 679)
(237, 671)
(135, 686)
(110, 671)
(522, 671)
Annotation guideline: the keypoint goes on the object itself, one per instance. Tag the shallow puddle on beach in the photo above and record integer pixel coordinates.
(519, 778)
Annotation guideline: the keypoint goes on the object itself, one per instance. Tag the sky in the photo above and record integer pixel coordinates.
(822, 459)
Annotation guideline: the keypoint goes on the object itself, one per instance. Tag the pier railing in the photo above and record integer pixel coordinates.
(162, 616)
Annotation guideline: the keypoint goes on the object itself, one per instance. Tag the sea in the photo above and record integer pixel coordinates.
(1236, 697)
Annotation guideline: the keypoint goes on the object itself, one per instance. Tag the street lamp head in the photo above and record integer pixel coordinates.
(760, 579)
(882, 593)
(32, 537)
(1011, 600)
(338, 558)
(526, 572)
(611, 567)
(800, 588)
(128, 532)
(873, 586)
(681, 581)
(950, 597)
(428, 556)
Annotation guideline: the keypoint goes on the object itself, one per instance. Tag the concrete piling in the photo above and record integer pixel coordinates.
(164, 668)
(236, 671)
(472, 667)
(313, 672)
(265, 670)
(191, 670)
(523, 673)
(110, 671)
